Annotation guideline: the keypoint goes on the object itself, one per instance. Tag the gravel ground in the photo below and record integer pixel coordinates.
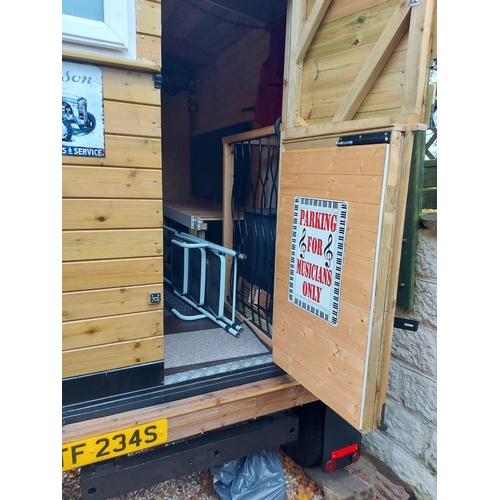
(199, 486)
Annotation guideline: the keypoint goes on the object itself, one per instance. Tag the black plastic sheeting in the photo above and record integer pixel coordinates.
(256, 477)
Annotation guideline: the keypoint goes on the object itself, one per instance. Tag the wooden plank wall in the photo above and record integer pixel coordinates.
(223, 90)
(345, 366)
(341, 46)
(112, 224)
(353, 67)
(177, 147)
(231, 85)
(335, 356)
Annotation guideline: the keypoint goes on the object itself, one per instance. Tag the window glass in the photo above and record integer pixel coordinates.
(106, 27)
(89, 9)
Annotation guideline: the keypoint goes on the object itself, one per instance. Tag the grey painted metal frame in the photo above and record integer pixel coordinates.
(187, 220)
(188, 242)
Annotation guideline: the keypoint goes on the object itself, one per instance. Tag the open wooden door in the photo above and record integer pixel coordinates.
(356, 80)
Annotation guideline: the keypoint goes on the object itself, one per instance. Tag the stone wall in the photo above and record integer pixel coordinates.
(408, 446)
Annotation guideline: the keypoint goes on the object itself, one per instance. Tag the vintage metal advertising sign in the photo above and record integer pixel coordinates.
(82, 110)
(318, 237)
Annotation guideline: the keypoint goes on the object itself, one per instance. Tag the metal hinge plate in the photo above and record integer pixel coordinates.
(360, 139)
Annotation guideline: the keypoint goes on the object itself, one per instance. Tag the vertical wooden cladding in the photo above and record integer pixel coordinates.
(337, 55)
(330, 361)
(368, 55)
(112, 223)
(352, 67)
(346, 366)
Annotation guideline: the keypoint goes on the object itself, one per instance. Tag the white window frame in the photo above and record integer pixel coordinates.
(113, 37)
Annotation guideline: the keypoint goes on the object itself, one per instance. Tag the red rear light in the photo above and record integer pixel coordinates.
(348, 450)
(355, 456)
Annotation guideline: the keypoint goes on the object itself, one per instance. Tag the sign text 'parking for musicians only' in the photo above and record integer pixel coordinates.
(318, 237)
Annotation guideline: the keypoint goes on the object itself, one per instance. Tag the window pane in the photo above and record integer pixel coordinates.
(89, 9)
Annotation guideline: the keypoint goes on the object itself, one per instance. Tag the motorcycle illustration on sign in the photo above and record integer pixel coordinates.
(74, 110)
(82, 110)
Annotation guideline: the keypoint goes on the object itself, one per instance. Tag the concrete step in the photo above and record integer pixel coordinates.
(368, 479)
(388, 485)
(340, 485)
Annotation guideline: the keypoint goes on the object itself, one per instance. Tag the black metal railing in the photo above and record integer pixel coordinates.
(254, 205)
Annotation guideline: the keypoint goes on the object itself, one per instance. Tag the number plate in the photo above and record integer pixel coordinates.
(113, 444)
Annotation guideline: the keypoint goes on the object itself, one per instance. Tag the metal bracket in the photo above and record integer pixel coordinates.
(157, 78)
(405, 324)
(414, 3)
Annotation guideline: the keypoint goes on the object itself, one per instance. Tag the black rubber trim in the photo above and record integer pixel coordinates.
(110, 383)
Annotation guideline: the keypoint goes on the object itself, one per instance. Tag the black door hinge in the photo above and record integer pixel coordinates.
(360, 139)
